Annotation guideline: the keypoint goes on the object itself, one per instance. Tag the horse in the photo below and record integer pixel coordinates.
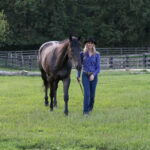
(55, 64)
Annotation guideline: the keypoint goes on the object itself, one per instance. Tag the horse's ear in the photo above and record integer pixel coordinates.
(79, 38)
(70, 37)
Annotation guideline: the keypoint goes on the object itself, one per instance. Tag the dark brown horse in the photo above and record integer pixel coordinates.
(55, 64)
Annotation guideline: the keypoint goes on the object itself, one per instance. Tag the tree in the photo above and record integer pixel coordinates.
(3, 28)
(111, 23)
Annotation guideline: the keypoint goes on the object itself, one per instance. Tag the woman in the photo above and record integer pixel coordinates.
(90, 59)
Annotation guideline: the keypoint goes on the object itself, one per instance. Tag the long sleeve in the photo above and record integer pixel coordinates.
(79, 71)
(97, 65)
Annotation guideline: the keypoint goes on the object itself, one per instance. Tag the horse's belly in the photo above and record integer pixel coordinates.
(62, 74)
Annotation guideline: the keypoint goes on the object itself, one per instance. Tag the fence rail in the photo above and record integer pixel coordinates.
(28, 60)
(19, 59)
(123, 50)
(126, 61)
(104, 51)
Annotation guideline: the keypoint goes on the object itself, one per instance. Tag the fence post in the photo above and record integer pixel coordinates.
(20, 59)
(30, 62)
(6, 60)
(121, 51)
(12, 60)
(15, 56)
(144, 60)
(107, 51)
(37, 58)
(111, 62)
(148, 49)
(135, 51)
(127, 61)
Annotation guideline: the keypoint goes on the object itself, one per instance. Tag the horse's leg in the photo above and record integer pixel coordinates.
(44, 77)
(46, 96)
(53, 89)
(51, 95)
(55, 100)
(66, 83)
(55, 93)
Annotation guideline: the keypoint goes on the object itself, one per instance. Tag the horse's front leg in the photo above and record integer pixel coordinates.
(55, 100)
(66, 83)
(46, 97)
(55, 93)
(51, 95)
(44, 77)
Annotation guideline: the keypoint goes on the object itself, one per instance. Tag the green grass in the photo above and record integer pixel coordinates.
(120, 120)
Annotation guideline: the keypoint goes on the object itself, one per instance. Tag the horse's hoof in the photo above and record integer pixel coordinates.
(51, 109)
(66, 113)
(46, 103)
(55, 105)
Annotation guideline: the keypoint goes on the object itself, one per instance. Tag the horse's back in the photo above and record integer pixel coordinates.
(49, 45)
(47, 49)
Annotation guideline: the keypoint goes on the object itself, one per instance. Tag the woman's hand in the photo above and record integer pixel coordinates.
(91, 77)
(78, 79)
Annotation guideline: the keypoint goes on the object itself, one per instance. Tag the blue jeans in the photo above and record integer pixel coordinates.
(89, 92)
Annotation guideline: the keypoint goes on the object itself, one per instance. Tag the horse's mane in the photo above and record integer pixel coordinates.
(61, 42)
(63, 50)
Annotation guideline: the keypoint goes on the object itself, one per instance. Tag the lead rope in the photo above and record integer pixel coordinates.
(81, 87)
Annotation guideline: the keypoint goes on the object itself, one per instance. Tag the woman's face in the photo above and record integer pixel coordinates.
(90, 45)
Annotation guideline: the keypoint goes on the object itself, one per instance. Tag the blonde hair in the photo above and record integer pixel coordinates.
(85, 49)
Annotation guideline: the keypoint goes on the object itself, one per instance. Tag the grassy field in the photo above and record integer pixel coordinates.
(120, 120)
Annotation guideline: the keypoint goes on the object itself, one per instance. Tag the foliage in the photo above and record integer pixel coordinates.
(112, 23)
(3, 27)
(120, 119)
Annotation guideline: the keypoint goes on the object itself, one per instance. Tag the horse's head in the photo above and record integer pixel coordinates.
(75, 48)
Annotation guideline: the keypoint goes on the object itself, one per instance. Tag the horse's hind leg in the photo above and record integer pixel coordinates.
(51, 96)
(53, 89)
(44, 77)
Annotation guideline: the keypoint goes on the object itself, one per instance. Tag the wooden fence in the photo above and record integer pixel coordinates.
(138, 61)
(123, 50)
(19, 60)
(29, 61)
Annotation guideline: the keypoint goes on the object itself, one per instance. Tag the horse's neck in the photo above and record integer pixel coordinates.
(62, 54)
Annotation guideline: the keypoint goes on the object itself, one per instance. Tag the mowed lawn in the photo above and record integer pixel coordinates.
(120, 119)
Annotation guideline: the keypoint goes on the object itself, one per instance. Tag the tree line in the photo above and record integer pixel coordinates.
(26, 24)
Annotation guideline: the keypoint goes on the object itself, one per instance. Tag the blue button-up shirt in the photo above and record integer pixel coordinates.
(90, 63)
